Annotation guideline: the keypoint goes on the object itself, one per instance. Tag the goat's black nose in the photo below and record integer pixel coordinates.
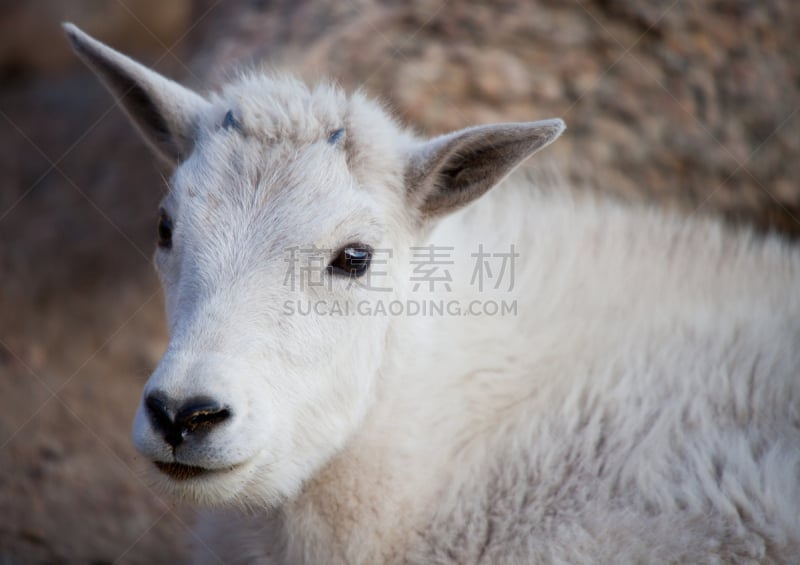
(196, 415)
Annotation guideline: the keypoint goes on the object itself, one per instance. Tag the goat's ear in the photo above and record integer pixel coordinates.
(165, 112)
(447, 172)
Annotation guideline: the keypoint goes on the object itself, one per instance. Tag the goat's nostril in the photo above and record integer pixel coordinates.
(201, 415)
(194, 416)
(158, 411)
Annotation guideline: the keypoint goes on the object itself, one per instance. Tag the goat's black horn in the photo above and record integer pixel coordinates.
(230, 121)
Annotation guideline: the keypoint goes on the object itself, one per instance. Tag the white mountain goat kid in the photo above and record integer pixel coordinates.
(636, 399)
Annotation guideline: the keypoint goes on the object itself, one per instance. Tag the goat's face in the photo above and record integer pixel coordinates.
(264, 246)
(282, 203)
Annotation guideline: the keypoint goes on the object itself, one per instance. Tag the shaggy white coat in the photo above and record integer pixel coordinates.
(642, 406)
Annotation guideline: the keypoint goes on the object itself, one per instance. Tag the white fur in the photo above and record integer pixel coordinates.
(643, 406)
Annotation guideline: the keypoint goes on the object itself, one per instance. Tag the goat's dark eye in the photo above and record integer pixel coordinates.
(164, 230)
(352, 261)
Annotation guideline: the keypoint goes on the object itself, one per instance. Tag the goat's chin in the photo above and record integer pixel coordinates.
(244, 485)
(204, 487)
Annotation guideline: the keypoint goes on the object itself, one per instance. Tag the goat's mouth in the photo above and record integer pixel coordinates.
(181, 472)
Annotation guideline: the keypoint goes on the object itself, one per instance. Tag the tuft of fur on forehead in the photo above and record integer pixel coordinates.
(274, 112)
(275, 108)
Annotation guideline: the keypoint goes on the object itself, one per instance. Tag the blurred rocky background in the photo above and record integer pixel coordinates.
(689, 105)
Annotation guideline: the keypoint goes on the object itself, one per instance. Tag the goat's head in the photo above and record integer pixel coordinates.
(281, 199)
